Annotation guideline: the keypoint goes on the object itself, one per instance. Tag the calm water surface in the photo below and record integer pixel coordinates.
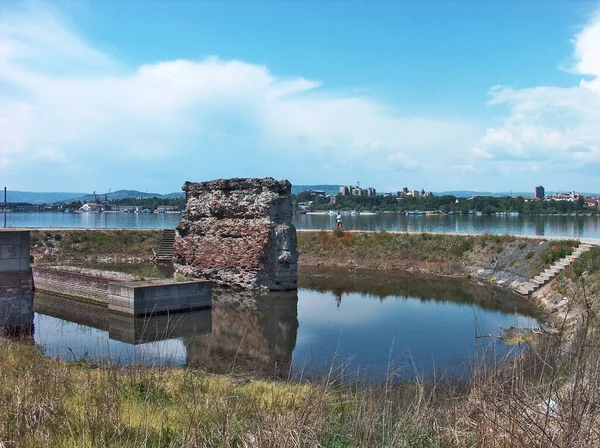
(571, 226)
(367, 327)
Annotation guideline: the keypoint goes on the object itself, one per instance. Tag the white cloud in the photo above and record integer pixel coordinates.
(556, 127)
(401, 159)
(65, 103)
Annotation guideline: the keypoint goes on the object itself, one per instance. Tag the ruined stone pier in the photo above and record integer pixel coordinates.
(239, 232)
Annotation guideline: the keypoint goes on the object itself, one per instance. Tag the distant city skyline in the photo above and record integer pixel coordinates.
(481, 96)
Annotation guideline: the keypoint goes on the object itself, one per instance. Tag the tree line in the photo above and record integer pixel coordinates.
(486, 204)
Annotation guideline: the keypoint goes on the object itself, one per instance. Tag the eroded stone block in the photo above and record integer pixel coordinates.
(239, 232)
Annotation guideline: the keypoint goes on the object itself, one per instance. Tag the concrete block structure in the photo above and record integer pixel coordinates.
(16, 281)
(145, 298)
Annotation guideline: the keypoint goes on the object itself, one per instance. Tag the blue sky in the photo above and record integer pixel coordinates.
(440, 95)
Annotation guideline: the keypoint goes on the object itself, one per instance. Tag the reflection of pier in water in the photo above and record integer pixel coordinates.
(250, 333)
(242, 332)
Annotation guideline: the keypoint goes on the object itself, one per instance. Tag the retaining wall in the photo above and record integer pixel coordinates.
(71, 284)
(135, 298)
(140, 298)
(16, 282)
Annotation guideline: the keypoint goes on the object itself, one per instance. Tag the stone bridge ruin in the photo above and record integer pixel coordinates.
(239, 232)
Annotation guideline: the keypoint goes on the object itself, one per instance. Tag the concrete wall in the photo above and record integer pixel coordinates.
(16, 282)
(72, 284)
(139, 298)
(135, 298)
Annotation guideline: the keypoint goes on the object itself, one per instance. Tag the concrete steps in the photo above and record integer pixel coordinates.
(166, 251)
(552, 271)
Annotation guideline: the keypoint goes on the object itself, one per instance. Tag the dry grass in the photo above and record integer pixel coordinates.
(45, 402)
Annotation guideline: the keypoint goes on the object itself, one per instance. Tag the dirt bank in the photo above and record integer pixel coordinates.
(494, 259)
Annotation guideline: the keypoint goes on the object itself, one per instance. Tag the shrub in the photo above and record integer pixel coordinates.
(588, 262)
(558, 250)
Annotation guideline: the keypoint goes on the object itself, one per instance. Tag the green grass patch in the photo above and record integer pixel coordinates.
(557, 250)
(384, 244)
(489, 238)
(588, 262)
(78, 243)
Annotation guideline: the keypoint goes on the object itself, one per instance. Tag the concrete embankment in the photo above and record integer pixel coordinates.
(120, 292)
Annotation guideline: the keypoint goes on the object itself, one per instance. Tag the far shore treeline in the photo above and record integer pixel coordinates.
(485, 204)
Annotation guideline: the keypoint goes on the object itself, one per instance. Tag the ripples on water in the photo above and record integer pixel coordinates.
(571, 226)
(366, 325)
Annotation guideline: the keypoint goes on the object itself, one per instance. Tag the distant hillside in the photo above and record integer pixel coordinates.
(37, 197)
(525, 194)
(468, 193)
(125, 194)
(52, 197)
(328, 189)
(179, 194)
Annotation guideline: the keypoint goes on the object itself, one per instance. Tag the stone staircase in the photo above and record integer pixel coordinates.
(166, 251)
(537, 282)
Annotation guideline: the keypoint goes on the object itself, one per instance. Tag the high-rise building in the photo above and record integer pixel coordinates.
(539, 192)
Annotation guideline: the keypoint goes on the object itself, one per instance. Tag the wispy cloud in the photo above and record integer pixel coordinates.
(64, 102)
(553, 126)
(75, 116)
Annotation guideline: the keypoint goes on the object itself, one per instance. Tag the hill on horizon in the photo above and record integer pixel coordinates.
(32, 197)
(126, 194)
(525, 194)
(469, 193)
(54, 197)
(328, 189)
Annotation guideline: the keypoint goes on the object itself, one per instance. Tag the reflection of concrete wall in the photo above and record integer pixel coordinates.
(16, 315)
(139, 330)
(121, 327)
(82, 313)
(253, 334)
(16, 282)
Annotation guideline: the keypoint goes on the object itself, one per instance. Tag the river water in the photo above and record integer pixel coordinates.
(365, 327)
(566, 226)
